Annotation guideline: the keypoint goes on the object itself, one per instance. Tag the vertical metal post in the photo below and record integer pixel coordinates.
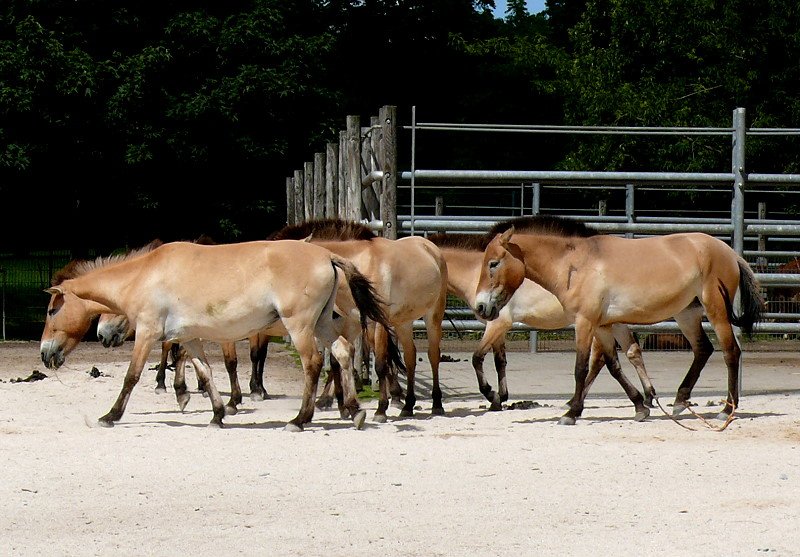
(533, 342)
(413, 159)
(536, 204)
(439, 206)
(739, 179)
(762, 238)
(602, 207)
(737, 206)
(630, 210)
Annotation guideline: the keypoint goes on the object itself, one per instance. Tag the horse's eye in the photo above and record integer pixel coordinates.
(493, 264)
(51, 312)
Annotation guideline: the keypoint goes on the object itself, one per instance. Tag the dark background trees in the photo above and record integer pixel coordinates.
(121, 122)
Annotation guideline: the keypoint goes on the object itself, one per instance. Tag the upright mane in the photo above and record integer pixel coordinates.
(543, 224)
(468, 242)
(324, 229)
(78, 267)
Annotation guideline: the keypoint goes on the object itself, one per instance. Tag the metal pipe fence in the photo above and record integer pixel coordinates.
(529, 188)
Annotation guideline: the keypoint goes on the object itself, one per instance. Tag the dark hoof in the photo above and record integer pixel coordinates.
(358, 419)
(344, 413)
(231, 410)
(496, 404)
(679, 407)
(294, 428)
(324, 403)
(214, 425)
(105, 423)
(160, 390)
(723, 416)
(566, 420)
(258, 396)
(379, 418)
(648, 401)
(437, 411)
(406, 413)
(183, 400)
(641, 415)
(398, 403)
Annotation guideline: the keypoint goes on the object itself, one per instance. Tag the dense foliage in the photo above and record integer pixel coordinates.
(125, 121)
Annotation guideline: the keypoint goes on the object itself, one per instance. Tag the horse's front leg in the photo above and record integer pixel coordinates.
(181, 390)
(628, 342)
(405, 336)
(584, 332)
(690, 322)
(141, 350)
(380, 345)
(161, 373)
(494, 331)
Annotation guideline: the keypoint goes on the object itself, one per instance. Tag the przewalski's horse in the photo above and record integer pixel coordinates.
(410, 275)
(531, 304)
(602, 280)
(183, 292)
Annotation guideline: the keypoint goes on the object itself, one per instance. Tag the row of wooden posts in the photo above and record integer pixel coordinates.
(354, 179)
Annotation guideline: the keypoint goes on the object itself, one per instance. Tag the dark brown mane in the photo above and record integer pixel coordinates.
(324, 229)
(468, 242)
(78, 267)
(543, 224)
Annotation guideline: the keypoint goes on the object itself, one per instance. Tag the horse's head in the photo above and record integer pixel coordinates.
(112, 330)
(502, 272)
(68, 319)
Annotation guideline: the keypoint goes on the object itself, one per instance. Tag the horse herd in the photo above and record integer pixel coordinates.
(333, 284)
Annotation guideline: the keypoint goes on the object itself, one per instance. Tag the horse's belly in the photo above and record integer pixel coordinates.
(220, 327)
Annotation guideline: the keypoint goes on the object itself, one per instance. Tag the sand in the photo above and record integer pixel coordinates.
(472, 482)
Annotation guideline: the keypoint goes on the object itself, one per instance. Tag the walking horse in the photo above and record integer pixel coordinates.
(602, 280)
(184, 292)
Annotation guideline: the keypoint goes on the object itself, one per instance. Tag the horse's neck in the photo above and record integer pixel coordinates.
(102, 287)
(463, 272)
(547, 259)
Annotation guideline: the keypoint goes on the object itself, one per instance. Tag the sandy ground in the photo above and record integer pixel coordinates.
(472, 482)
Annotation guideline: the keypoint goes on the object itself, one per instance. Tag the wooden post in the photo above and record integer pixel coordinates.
(388, 119)
(344, 209)
(353, 170)
(289, 201)
(439, 207)
(332, 180)
(319, 185)
(299, 197)
(372, 209)
(308, 192)
(602, 208)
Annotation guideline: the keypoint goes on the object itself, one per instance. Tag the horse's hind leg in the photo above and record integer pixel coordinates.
(690, 322)
(341, 354)
(231, 364)
(196, 353)
(335, 374)
(259, 344)
(305, 344)
(606, 340)
(179, 383)
(627, 341)
(161, 374)
(433, 326)
(718, 316)
(380, 345)
(325, 399)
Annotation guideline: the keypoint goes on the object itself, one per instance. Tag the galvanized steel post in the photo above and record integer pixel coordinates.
(739, 179)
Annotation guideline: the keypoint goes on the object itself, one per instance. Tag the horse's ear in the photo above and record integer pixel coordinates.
(505, 237)
(54, 290)
(308, 238)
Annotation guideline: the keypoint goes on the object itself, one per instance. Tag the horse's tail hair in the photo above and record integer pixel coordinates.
(369, 305)
(750, 298)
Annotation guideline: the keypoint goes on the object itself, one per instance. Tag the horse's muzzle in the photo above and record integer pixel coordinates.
(487, 311)
(110, 341)
(52, 356)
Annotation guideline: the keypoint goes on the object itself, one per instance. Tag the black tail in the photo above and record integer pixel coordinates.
(370, 306)
(750, 298)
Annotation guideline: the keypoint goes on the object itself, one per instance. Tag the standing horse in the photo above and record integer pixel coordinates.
(410, 275)
(184, 292)
(602, 280)
(531, 304)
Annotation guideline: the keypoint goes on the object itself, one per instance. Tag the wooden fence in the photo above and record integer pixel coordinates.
(354, 179)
